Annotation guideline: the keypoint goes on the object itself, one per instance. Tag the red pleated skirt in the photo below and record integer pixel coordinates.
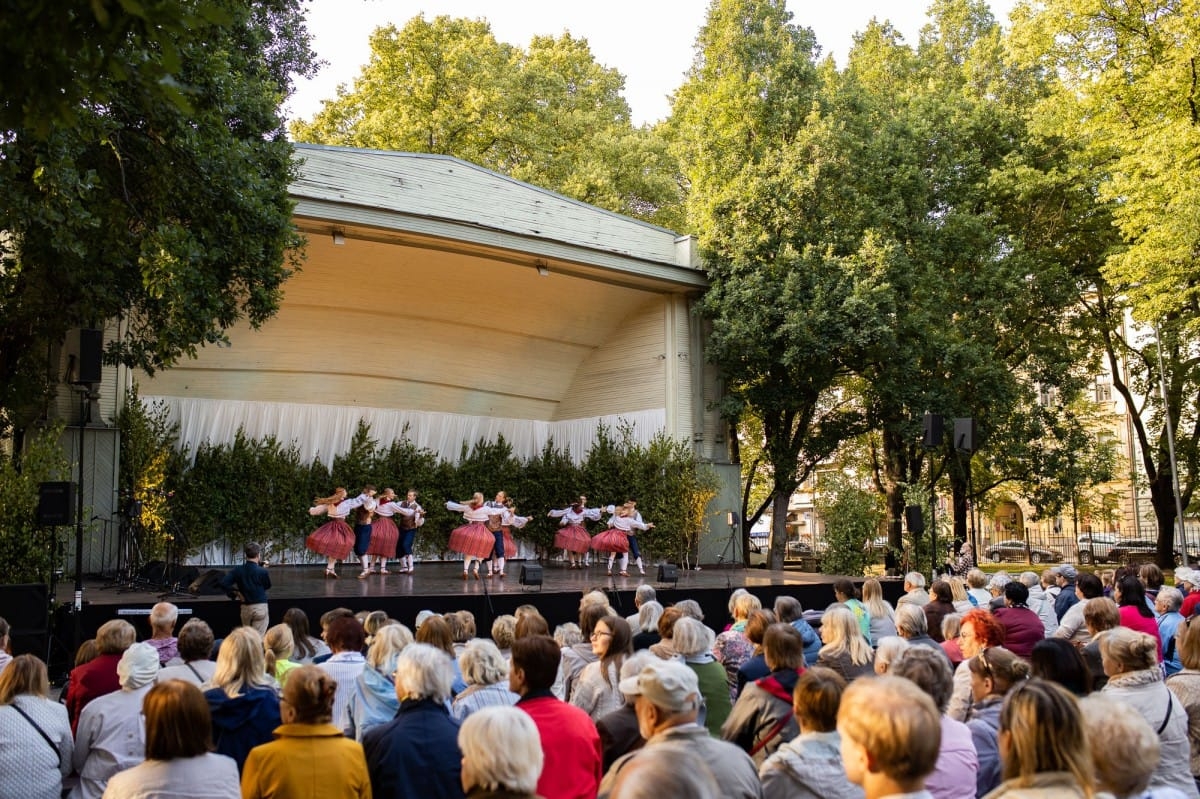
(384, 537)
(611, 540)
(473, 540)
(572, 538)
(510, 546)
(334, 539)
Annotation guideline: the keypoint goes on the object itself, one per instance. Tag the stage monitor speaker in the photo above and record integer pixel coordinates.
(932, 430)
(208, 583)
(26, 607)
(531, 574)
(964, 435)
(56, 504)
(91, 355)
(668, 573)
(914, 519)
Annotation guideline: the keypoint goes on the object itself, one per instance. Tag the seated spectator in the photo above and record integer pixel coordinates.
(1185, 684)
(195, 644)
(644, 593)
(959, 596)
(845, 593)
(891, 733)
(1099, 615)
(346, 639)
(1071, 626)
(1057, 660)
(374, 699)
(243, 700)
(1046, 752)
(890, 650)
(979, 632)
(416, 754)
(32, 762)
(756, 666)
(911, 626)
(5, 657)
(665, 648)
(111, 736)
(486, 673)
(994, 672)
(277, 651)
(596, 692)
(570, 743)
(732, 648)
(977, 588)
(1124, 748)
(462, 629)
(1022, 627)
(951, 627)
(1135, 612)
(306, 647)
(667, 765)
(957, 766)
(619, 732)
(510, 769)
(162, 628)
(99, 676)
(845, 649)
(1040, 602)
(940, 605)
(1151, 577)
(504, 632)
(810, 765)
(576, 656)
(996, 589)
(646, 629)
(310, 758)
(668, 700)
(1135, 679)
(914, 591)
(1166, 604)
(789, 611)
(693, 642)
(328, 618)
(179, 762)
(882, 614)
(762, 718)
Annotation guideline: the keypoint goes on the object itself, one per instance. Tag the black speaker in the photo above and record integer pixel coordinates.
(56, 504)
(26, 607)
(208, 583)
(932, 435)
(914, 519)
(531, 574)
(668, 573)
(91, 350)
(964, 435)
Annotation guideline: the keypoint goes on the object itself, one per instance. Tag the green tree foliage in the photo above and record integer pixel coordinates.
(549, 115)
(1113, 193)
(853, 517)
(144, 173)
(151, 464)
(27, 550)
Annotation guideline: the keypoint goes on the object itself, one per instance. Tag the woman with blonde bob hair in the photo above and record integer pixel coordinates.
(510, 770)
(882, 614)
(1043, 746)
(373, 701)
(178, 761)
(310, 758)
(846, 651)
(1134, 678)
(28, 767)
(243, 701)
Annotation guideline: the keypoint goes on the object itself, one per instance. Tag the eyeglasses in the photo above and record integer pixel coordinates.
(596, 634)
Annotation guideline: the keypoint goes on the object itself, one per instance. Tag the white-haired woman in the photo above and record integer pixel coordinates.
(507, 771)
(645, 633)
(374, 700)
(243, 700)
(732, 648)
(693, 642)
(416, 753)
(889, 650)
(486, 672)
(845, 649)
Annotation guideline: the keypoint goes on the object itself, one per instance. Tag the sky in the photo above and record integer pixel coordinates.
(649, 41)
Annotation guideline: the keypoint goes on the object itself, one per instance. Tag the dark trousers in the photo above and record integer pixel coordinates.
(406, 541)
(634, 552)
(362, 539)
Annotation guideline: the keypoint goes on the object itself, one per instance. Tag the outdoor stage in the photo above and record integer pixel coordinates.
(439, 587)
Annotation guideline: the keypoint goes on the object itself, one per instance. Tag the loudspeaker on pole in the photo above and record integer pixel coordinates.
(91, 351)
(914, 519)
(964, 435)
(56, 504)
(932, 436)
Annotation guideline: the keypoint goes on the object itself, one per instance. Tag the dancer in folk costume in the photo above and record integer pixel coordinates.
(621, 536)
(613, 541)
(495, 524)
(635, 523)
(507, 548)
(334, 539)
(384, 535)
(474, 539)
(412, 516)
(363, 515)
(572, 537)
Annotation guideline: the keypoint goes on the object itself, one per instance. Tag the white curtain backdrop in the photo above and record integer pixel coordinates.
(325, 431)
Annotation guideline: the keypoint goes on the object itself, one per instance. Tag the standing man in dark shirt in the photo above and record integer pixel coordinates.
(252, 582)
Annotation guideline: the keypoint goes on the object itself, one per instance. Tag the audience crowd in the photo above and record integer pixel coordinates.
(1037, 686)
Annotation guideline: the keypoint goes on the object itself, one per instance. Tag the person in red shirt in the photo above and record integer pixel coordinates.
(1188, 580)
(570, 743)
(98, 676)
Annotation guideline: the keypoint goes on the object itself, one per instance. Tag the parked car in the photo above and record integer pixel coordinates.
(1095, 547)
(1137, 550)
(1014, 549)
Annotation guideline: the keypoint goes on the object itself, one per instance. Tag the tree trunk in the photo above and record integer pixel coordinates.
(1162, 498)
(779, 509)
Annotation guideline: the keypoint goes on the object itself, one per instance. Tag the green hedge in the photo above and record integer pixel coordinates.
(260, 490)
